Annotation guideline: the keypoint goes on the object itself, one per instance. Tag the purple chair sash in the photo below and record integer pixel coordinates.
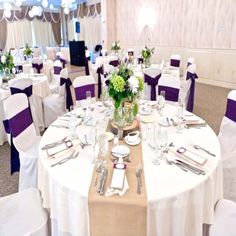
(171, 94)
(100, 71)
(80, 92)
(174, 62)
(38, 67)
(18, 68)
(189, 63)
(153, 83)
(231, 110)
(15, 160)
(140, 60)
(27, 91)
(86, 66)
(67, 82)
(190, 103)
(63, 61)
(57, 70)
(114, 63)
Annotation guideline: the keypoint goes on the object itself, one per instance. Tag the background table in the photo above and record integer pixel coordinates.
(178, 202)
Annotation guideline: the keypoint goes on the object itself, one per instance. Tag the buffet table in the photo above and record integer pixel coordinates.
(178, 202)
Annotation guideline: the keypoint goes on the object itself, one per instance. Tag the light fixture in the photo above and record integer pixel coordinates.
(7, 6)
(66, 4)
(7, 13)
(45, 3)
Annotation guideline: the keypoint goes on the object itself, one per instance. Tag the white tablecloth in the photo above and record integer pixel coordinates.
(40, 90)
(178, 202)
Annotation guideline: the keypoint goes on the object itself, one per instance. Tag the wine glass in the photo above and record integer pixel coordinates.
(73, 122)
(93, 141)
(161, 139)
(161, 101)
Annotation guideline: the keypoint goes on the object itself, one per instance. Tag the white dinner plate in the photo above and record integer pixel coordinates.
(120, 151)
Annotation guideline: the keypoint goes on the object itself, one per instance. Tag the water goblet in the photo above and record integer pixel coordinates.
(73, 122)
(180, 114)
(103, 145)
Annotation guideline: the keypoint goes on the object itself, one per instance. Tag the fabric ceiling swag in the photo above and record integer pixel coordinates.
(24, 14)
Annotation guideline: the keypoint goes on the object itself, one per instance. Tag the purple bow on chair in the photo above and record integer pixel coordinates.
(231, 109)
(114, 63)
(174, 62)
(27, 91)
(153, 83)
(80, 92)
(63, 61)
(190, 102)
(13, 128)
(171, 94)
(86, 66)
(67, 82)
(38, 67)
(140, 60)
(57, 70)
(100, 71)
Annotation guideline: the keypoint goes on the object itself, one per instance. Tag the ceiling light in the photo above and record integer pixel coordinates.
(7, 13)
(7, 6)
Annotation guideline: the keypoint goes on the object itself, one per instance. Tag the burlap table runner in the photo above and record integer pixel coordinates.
(119, 215)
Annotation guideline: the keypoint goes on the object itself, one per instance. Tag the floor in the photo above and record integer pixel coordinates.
(210, 103)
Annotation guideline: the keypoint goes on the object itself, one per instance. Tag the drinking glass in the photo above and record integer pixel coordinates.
(180, 115)
(73, 122)
(161, 139)
(93, 141)
(88, 98)
(161, 101)
(103, 145)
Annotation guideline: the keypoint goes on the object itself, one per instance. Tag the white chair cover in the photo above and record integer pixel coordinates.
(190, 61)
(51, 52)
(66, 52)
(22, 214)
(37, 52)
(175, 60)
(25, 139)
(225, 219)
(34, 101)
(54, 85)
(227, 138)
(82, 84)
(171, 86)
(55, 104)
(27, 68)
(48, 69)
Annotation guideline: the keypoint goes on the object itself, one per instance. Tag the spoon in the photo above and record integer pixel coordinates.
(203, 149)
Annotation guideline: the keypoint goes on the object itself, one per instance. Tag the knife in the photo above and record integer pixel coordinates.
(191, 168)
(101, 176)
(103, 181)
(54, 144)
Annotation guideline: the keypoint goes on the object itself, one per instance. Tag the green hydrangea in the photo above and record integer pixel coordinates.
(141, 83)
(118, 83)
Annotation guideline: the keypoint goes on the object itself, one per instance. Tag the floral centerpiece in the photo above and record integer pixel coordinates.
(146, 55)
(28, 51)
(124, 88)
(6, 64)
(116, 46)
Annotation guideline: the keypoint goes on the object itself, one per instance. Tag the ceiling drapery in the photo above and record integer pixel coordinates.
(24, 14)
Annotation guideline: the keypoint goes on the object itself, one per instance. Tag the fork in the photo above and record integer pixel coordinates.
(72, 156)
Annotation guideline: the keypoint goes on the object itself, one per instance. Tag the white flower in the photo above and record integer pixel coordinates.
(3, 59)
(113, 45)
(133, 84)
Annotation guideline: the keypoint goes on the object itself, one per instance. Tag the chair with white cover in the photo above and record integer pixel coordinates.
(51, 52)
(24, 85)
(190, 61)
(24, 137)
(171, 86)
(48, 69)
(27, 68)
(37, 64)
(66, 52)
(175, 61)
(227, 138)
(54, 85)
(37, 51)
(151, 78)
(62, 58)
(224, 219)
(82, 84)
(114, 61)
(55, 103)
(22, 214)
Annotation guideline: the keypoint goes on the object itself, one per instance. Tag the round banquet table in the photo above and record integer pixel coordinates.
(179, 202)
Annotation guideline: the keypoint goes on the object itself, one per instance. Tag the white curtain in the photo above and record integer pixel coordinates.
(71, 30)
(18, 34)
(43, 33)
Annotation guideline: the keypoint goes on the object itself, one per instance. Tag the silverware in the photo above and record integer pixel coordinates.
(174, 123)
(203, 149)
(102, 189)
(72, 156)
(101, 176)
(176, 164)
(168, 121)
(54, 144)
(60, 126)
(191, 168)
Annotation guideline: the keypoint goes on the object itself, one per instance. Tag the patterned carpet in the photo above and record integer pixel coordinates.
(210, 103)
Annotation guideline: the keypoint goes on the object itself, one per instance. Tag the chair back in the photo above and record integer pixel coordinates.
(57, 67)
(20, 121)
(22, 85)
(171, 86)
(51, 52)
(190, 61)
(175, 60)
(227, 135)
(60, 56)
(82, 84)
(151, 79)
(37, 64)
(36, 51)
